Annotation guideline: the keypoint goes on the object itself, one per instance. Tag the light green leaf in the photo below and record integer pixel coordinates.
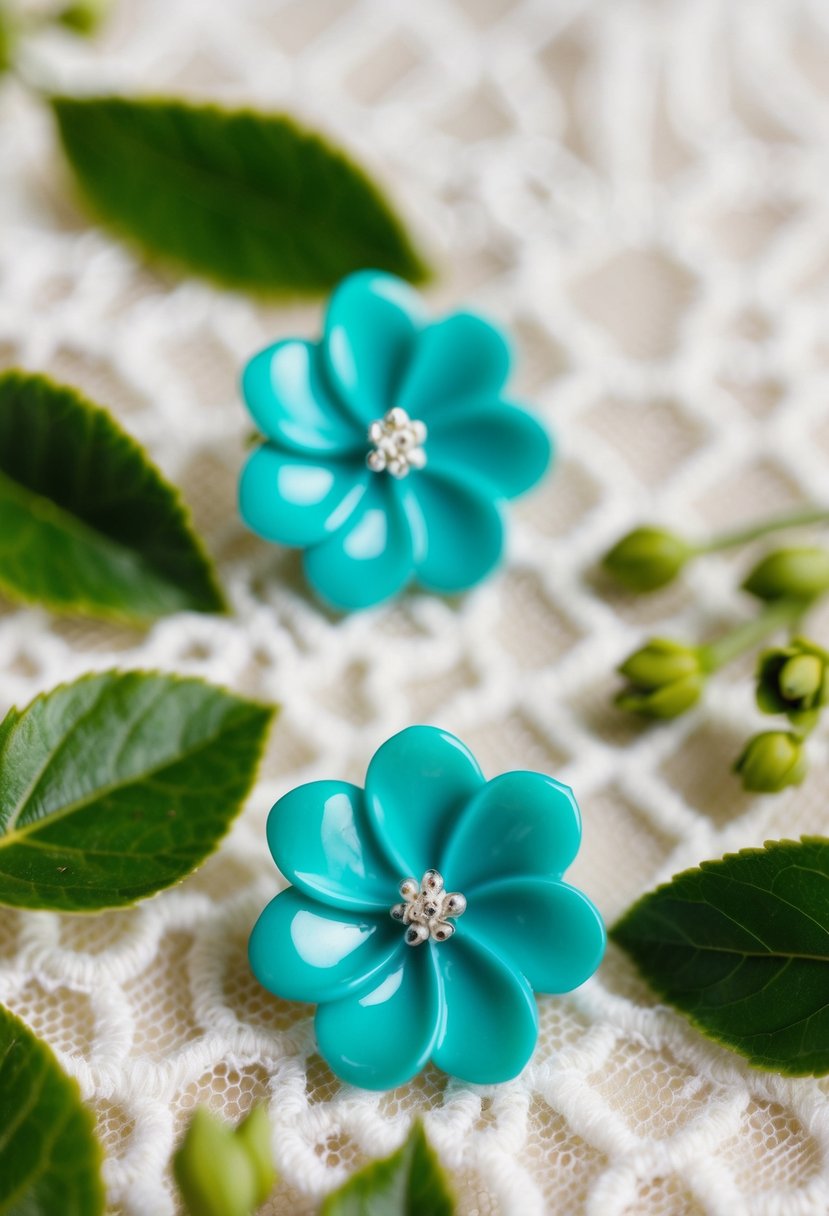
(741, 946)
(252, 200)
(411, 1180)
(118, 785)
(50, 1161)
(87, 523)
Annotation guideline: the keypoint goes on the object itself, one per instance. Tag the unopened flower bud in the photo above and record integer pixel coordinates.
(794, 680)
(254, 1135)
(771, 761)
(222, 1171)
(83, 16)
(666, 678)
(794, 574)
(647, 558)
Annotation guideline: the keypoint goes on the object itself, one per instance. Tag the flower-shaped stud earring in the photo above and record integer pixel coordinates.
(425, 911)
(390, 447)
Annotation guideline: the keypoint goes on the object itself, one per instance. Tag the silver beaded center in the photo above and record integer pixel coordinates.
(398, 444)
(427, 909)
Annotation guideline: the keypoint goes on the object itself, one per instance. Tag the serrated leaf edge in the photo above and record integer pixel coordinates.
(269, 711)
(177, 504)
(761, 1064)
(421, 271)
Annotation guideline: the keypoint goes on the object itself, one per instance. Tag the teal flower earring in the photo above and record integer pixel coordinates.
(426, 910)
(390, 449)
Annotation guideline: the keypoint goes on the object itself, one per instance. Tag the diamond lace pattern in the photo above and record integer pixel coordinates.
(637, 189)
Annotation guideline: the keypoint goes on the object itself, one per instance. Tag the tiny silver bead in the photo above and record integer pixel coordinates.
(455, 904)
(396, 417)
(409, 889)
(416, 935)
(443, 931)
(432, 881)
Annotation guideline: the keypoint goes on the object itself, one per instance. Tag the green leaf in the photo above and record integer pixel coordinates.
(410, 1181)
(741, 946)
(118, 785)
(251, 200)
(50, 1161)
(87, 523)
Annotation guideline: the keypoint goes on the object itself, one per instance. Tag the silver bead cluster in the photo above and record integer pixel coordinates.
(427, 909)
(398, 444)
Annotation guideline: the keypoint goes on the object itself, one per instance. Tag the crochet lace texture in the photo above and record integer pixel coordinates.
(638, 191)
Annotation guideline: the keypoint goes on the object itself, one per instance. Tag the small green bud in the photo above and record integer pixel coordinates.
(666, 678)
(795, 574)
(771, 761)
(222, 1171)
(254, 1134)
(83, 17)
(7, 40)
(647, 558)
(794, 680)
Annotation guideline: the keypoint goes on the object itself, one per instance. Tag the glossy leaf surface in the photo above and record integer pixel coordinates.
(409, 1181)
(118, 785)
(50, 1161)
(741, 946)
(87, 523)
(252, 200)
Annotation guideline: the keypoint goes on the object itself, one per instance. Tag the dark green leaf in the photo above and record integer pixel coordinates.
(249, 199)
(741, 946)
(87, 524)
(50, 1161)
(409, 1182)
(118, 785)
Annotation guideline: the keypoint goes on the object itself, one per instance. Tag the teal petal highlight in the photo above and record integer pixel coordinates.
(370, 331)
(303, 951)
(506, 448)
(521, 823)
(289, 399)
(490, 1023)
(298, 500)
(370, 558)
(548, 930)
(417, 784)
(367, 536)
(456, 359)
(322, 840)
(458, 532)
(465, 999)
(379, 1037)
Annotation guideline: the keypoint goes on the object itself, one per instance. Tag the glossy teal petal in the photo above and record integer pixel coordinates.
(505, 447)
(304, 951)
(381, 1036)
(455, 360)
(458, 531)
(370, 331)
(550, 931)
(520, 824)
(296, 500)
(371, 557)
(289, 398)
(417, 785)
(490, 1019)
(321, 839)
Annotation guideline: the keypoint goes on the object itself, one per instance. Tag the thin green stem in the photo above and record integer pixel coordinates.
(742, 536)
(779, 615)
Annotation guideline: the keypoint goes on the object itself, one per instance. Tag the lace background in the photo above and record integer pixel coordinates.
(638, 189)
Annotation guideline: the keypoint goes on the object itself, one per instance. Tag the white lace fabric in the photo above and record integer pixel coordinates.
(638, 190)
